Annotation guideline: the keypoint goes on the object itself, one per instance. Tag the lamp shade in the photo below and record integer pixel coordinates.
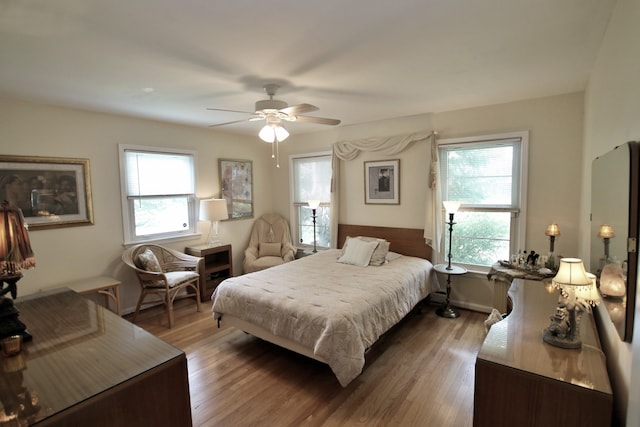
(571, 273)
(281, 133)
(213, 210)
(552, 230)
(270, 132)
(606, 231)
(451, 206)
(15, 247)
(313, 204)
(588, 294)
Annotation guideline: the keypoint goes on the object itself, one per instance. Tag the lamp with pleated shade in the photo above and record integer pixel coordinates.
(15, 255)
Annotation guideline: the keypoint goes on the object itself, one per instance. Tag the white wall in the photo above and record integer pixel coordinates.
(555, 125)
(555, 149)
(65, 254)
(612, 106)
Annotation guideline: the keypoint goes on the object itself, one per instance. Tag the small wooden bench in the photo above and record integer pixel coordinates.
(107, 286)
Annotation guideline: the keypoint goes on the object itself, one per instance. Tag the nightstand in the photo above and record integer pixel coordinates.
(218, 265)
(301, 253)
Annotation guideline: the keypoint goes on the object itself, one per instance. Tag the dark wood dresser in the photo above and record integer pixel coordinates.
(86, 366)
(522, 381)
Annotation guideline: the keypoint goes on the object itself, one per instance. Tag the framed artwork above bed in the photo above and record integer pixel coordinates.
(382, 182)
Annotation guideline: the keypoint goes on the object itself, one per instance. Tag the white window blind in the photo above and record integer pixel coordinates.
(158, 190)
(482, 174)
(155, 174)
(312, 179)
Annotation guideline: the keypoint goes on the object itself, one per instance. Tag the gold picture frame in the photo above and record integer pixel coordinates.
(236, 187)
(382, 182)
(52, 192)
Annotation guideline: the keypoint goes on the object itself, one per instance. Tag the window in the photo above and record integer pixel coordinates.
(311, 180)
(158, 193)
(488, 175)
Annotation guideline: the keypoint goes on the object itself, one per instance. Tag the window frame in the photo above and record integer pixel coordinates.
(295, 206)
(518, 208)
(128, 217)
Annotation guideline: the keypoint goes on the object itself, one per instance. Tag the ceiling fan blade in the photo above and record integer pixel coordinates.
(319, 120)
(231, 111)
(294, 110)
(228, 123)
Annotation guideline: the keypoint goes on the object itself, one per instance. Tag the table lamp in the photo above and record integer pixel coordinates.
(552, 231)
(213, 210)
(15, 255)
(314, 204)
(606, 233)
(578, 293)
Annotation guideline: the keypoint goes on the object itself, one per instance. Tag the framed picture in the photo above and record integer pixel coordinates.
(236, 182)
(382, 182)
(51, 191)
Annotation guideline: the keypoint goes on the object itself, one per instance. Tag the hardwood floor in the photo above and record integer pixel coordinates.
(419, 374)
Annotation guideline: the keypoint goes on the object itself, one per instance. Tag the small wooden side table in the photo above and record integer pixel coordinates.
(218, 265)
(104, 285)
(447, 310)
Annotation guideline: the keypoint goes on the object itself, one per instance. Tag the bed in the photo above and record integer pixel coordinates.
(329, 310)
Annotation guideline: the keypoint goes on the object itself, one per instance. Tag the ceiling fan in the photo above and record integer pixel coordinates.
(274, 112)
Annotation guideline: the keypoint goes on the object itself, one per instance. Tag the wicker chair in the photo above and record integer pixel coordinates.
(163, 273)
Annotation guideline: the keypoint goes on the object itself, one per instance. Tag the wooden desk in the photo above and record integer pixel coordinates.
(89, 367)
(520, 380)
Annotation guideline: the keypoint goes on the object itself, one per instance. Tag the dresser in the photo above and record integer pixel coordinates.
(520, 380)
(86, 366)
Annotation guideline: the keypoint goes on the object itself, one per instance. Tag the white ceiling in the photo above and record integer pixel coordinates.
(358, 60)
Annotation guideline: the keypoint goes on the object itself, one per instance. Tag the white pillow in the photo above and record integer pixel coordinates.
(392, 255)
(379, 255)
(358, 252)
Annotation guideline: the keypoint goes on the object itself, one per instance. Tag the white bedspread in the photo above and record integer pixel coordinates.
(337, 310)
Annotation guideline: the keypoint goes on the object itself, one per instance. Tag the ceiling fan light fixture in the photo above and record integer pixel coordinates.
(267, 134)
(281, 133)
(271, 131)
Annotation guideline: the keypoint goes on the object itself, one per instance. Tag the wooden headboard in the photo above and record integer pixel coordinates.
(407, 241)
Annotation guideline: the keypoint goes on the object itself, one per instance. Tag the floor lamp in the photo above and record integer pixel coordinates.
(313, 204)
(447, 310)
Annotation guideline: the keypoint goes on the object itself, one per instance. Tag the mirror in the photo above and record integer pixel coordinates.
(614, 232)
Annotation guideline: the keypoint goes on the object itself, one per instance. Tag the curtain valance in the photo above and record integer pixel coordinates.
(349, 150)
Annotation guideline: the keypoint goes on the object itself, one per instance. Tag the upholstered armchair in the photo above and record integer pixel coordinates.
(270, 244)
(162, 273)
